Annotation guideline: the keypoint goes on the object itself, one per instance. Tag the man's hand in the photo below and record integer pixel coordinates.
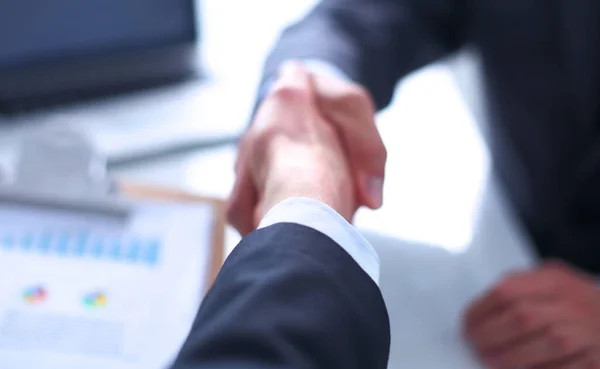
(342, 106)
(351, 110)
(290, 151)
(548, 318)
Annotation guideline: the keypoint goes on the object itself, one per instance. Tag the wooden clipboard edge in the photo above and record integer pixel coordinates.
(140, 191)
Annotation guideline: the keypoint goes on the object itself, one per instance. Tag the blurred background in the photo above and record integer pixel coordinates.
(165, 97)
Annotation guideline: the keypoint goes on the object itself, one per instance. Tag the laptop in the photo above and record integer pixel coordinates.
(127, 73)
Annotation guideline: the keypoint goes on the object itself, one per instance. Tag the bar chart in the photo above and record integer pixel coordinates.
(82, 244)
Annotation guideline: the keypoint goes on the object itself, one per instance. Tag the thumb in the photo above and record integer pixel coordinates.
(290, 100)
(243, 199)
(294, 88)
(240, 207)
(292, 74)
(350, 109)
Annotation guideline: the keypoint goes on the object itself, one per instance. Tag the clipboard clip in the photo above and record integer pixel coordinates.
(60, 167)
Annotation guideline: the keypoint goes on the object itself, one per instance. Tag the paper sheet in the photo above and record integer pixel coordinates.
(83, 290)
(427, 288)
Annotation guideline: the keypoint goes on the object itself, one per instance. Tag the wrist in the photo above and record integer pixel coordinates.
(306, 172)
(278, 193)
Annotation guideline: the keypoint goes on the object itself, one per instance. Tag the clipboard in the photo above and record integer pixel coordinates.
(147, 192)
(85, 251)
(143, 303)
(60, 168)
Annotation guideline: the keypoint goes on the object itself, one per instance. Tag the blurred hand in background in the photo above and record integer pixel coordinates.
(547, 318)
(312, 136)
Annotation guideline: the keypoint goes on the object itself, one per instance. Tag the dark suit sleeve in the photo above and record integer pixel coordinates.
(289, 297)
(375, 42)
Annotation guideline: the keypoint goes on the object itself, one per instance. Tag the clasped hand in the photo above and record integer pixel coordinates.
(316, 137)
(311, 137)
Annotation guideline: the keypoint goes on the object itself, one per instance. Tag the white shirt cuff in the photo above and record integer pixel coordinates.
(320, 217)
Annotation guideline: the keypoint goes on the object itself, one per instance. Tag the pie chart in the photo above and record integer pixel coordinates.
(35, 295)
(95, 300)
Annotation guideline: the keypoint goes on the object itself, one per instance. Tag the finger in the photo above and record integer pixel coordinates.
(367, 152)
(351, 110)
(555, 343)
(569, 272)
(293, 74)
(589, 359)
(289, 103)
(292, 90)
(540, 284)
(243, 199)
(515, 323)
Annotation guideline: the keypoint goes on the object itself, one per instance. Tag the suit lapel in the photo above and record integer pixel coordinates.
(579, 33)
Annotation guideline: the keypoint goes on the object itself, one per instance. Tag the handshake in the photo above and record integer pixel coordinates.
(315, 137)
(311, 137)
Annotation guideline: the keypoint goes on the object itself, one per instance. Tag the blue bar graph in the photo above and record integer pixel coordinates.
(62, 244)
(115, 250)
(97, 249)
(8, 241)
(44, 240)
(133, 252)
(26, 241)
(79, 248)
(150, 254)
(83, 245)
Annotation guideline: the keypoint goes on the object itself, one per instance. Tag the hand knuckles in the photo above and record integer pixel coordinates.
(360, 99)
(556, 265)
(588, 364)
(523, 317)
(235, 223)
(469, 330)
(372, 151)
(231, 212)
(358, 93)
(374, 145)
(354, 99)
(289, 93)
(502, 294)
(514, 278)
(560, 340)
(559, 273)
(263, 137)
(242, 159)
(592, 360)
(383, 154)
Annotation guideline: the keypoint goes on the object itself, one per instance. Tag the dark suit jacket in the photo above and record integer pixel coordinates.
(540, 60)
(289, 297)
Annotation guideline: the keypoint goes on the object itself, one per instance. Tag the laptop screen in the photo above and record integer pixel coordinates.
(34, 31)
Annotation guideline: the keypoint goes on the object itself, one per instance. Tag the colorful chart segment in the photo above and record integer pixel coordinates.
(95, 300)
(35, 295)
(83, 245)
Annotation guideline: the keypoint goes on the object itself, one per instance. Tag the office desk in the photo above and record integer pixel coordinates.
(426, 287)
(444, 234)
